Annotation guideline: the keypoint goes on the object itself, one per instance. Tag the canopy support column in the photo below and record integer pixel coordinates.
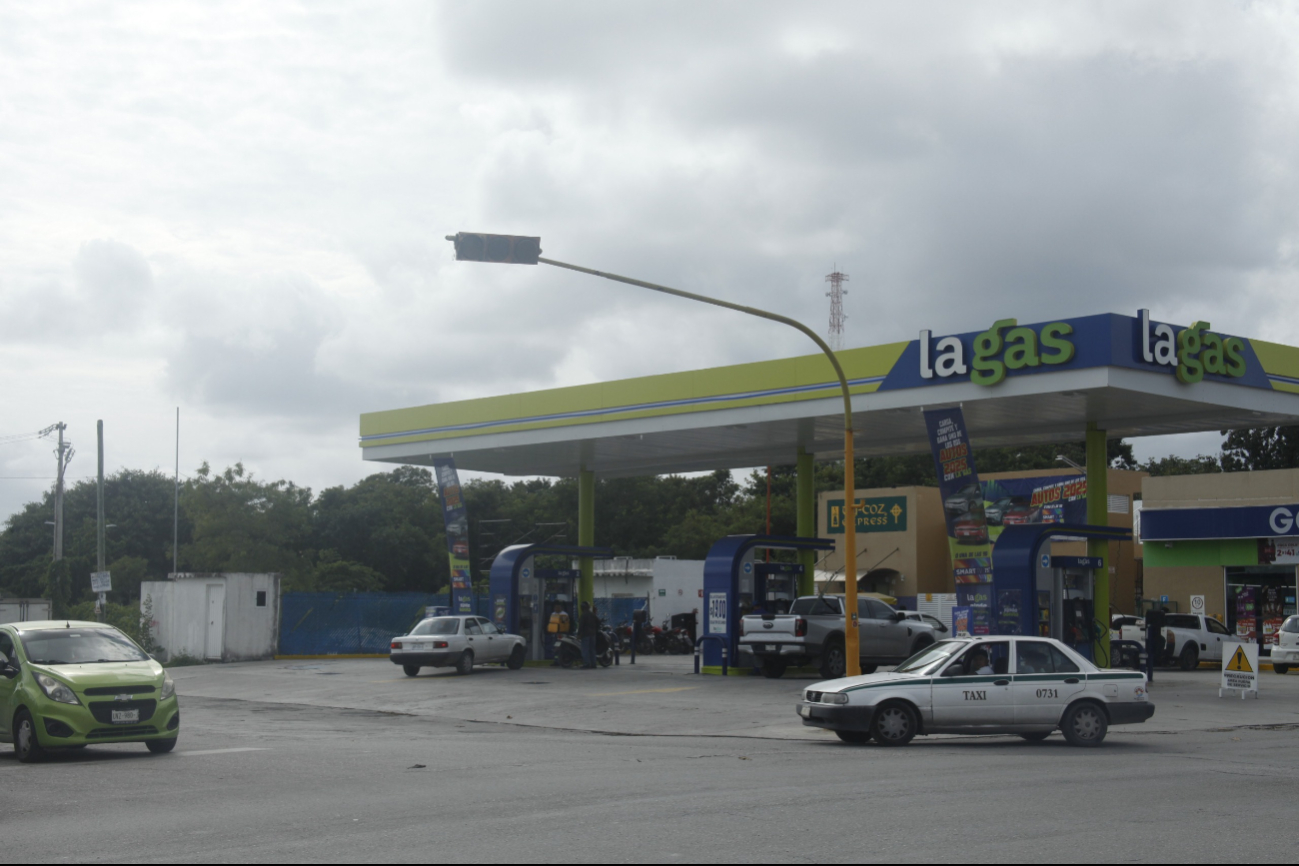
(1098, 515)
(805, 503)
(586, 532)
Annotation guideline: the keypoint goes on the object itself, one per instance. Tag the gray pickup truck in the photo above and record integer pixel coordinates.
(812, 631)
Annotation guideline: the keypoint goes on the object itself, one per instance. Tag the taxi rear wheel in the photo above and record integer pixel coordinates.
(26, 745)
(856, 738)
(410, 670)
(1085, 725)
(894, 724)
(465, 664)
(1036, 736)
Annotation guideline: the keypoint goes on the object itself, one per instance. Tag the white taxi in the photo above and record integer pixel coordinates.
(456, 641)
(995, 684)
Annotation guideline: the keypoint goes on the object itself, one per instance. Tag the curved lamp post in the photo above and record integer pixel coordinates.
(522, 250)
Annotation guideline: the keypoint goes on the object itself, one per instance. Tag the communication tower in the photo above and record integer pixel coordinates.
(836, 293)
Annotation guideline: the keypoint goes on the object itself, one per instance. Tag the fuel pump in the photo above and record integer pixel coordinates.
(776, 585)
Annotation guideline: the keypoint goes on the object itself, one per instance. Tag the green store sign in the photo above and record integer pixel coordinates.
(875, 514)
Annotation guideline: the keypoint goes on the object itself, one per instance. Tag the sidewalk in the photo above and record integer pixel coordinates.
(659, 695)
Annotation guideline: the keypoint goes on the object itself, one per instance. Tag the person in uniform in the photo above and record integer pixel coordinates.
(558, 626)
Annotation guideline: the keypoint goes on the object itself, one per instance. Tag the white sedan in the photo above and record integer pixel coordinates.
(456, 641)
(984, 685)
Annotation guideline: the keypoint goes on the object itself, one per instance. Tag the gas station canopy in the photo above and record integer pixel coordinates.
(1040, 383)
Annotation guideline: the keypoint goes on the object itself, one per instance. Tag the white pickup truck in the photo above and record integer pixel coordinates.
(1190, 638)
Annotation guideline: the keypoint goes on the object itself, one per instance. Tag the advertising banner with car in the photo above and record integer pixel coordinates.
(457, 524)
(1020, 501)
(958, 484)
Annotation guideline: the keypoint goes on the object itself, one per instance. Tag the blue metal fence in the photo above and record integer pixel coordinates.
(363, 623)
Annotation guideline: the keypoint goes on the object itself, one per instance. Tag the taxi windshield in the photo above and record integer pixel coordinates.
(79, 646)
(929, 655)
(441, 625)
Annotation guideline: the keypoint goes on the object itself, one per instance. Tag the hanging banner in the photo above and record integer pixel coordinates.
(958, 484)
(457, 524)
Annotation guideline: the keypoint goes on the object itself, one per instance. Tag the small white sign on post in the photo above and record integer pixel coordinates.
(101, 581)
(1197, 604)
(1239, 668)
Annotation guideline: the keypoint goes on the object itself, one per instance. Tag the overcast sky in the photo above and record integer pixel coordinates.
(238, 208)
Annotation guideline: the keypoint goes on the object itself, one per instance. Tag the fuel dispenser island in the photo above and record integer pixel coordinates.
(1065, 593)
(531, 581)
(1038, 593)
(737, 583)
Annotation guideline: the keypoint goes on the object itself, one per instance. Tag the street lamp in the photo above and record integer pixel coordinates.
(522, 250)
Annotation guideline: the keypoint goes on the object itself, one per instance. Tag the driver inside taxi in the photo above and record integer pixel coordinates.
(978, 664)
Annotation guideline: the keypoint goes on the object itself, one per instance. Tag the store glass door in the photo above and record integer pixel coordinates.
(1258, 601)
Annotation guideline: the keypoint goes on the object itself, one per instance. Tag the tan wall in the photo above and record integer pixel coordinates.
(1179, 583)
(1222, 490)
(933, 553)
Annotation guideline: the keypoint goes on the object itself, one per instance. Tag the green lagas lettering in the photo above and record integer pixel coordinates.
(1052, 336)
(1021, 349)
(1211, 357)
(1232, 347)
(987, 369)
(1189, 344)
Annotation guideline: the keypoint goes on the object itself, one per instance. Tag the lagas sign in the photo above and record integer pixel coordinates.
(1194, 351)
(1005, 346)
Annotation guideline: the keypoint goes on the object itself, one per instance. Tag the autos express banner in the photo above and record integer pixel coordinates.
(1045, 499)
(958, 484)
(457, 523)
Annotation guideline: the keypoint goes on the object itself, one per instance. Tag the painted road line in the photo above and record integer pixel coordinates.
(644, 692)
(222, 751)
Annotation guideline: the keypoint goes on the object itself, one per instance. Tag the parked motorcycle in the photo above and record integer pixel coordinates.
(568, 649)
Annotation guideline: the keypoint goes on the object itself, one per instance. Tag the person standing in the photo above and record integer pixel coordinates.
(588, 626)
(1154, 641)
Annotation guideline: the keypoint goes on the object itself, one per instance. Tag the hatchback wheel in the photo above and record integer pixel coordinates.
(465, 665)
(26, 744)
(1084, 725)
(894, 724)
(161, 747)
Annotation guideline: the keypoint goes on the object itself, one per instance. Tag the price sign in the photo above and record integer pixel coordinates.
(717, 613)
(101, 581)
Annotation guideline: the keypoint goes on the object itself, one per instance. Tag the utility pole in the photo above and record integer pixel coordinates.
(64, 455)
(175, 514)
(99, 509)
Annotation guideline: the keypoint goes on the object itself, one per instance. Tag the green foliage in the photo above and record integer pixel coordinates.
(183, 660)
(1261, 448)
(1173, 465)
(129, 619)
(332, 574)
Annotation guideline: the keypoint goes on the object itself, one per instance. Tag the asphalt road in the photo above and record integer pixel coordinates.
(255, 781)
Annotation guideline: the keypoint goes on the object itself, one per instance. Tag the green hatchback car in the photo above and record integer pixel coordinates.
(66, 684)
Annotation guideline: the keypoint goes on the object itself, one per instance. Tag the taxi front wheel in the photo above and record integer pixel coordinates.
(895, 724)
(1084, 725)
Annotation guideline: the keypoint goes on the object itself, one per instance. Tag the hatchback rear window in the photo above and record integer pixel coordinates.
(441, 625)
(1291, 625)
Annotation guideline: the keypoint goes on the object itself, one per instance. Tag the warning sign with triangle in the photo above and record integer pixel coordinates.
(1239, 662)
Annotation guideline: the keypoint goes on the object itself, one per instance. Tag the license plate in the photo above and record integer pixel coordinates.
(420, 647)
(771, 647)
(126, 717)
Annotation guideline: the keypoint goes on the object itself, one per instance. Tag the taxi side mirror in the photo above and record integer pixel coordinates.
(954, 670)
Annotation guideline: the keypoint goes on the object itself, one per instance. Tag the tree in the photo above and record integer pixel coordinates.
(1260, 448)
(1174, 465)
(242, 524)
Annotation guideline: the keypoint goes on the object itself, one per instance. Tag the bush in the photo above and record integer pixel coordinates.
(128, 619)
